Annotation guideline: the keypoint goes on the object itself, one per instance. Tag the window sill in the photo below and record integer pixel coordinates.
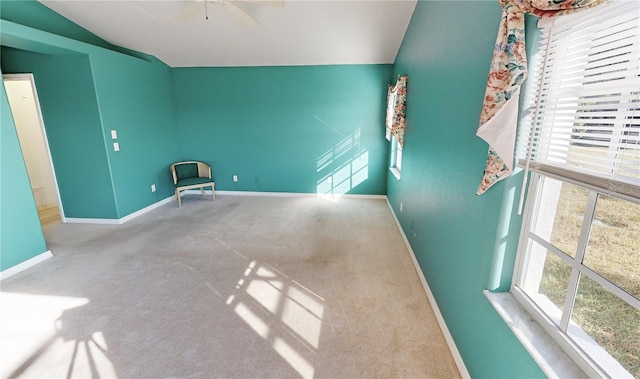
(553, 361)
(395, 172)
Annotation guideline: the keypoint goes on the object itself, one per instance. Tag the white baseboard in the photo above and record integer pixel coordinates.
(118, 221)
(146, 209)
(352, 196)
(291, 194)
(25, 265)
(462, 368)
(84, 220)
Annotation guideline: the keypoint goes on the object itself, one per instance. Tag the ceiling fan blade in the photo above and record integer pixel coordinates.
(189, 11)
(240, 14)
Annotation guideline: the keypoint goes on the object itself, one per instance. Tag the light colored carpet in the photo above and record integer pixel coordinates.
(243, 287)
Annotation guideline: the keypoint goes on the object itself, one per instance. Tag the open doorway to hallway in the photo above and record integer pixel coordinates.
(25, 108)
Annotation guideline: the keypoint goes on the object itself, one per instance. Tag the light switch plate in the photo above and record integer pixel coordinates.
(116, 146)
(114, 134)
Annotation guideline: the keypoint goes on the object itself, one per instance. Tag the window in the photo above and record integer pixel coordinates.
(396, 157)
(395, 120)
(578, 269)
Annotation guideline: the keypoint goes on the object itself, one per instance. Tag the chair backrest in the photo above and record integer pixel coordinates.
(189, 169)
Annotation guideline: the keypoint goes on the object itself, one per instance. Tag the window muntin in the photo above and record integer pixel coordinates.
(593, 307)
(562, 213)
(613, 250)
(552, 284)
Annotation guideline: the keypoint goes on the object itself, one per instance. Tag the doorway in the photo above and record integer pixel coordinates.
(25, 107)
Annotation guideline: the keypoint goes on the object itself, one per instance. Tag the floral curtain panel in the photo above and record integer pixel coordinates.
(499, 117)
(396, 102)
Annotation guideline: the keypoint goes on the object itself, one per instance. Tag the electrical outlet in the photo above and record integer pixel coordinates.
(153, 188)
(114, 134)
(116, 146)
(401, 206)
(235, 178)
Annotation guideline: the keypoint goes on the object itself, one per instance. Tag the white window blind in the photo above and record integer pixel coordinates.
(584, 104)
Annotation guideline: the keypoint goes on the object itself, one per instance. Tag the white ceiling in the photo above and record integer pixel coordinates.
(302, 32)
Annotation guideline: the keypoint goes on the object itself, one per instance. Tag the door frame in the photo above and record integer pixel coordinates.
(29, 77)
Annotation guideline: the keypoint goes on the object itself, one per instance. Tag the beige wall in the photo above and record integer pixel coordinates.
(32, 142)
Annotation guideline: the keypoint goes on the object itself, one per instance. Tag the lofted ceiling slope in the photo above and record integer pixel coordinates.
(288, 33)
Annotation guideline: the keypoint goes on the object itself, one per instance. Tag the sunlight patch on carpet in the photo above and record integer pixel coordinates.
(281, 311)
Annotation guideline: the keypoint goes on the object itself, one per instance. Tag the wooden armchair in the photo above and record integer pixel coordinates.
(190, 175)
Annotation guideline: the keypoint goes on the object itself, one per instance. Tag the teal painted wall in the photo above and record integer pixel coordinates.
(464, 243)
(136, 99)
(287, 129)
(72, 121)
(85, 91)
(22, 236)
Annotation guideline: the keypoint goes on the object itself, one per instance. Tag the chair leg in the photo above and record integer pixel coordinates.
(201, 191)
(213, 192)
(178, 198)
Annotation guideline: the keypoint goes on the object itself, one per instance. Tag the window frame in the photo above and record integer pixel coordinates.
(395, 113)
(591, 358)
(395, 165)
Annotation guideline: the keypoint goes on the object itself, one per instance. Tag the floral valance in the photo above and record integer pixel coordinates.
(499, 117)
(396, 103)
